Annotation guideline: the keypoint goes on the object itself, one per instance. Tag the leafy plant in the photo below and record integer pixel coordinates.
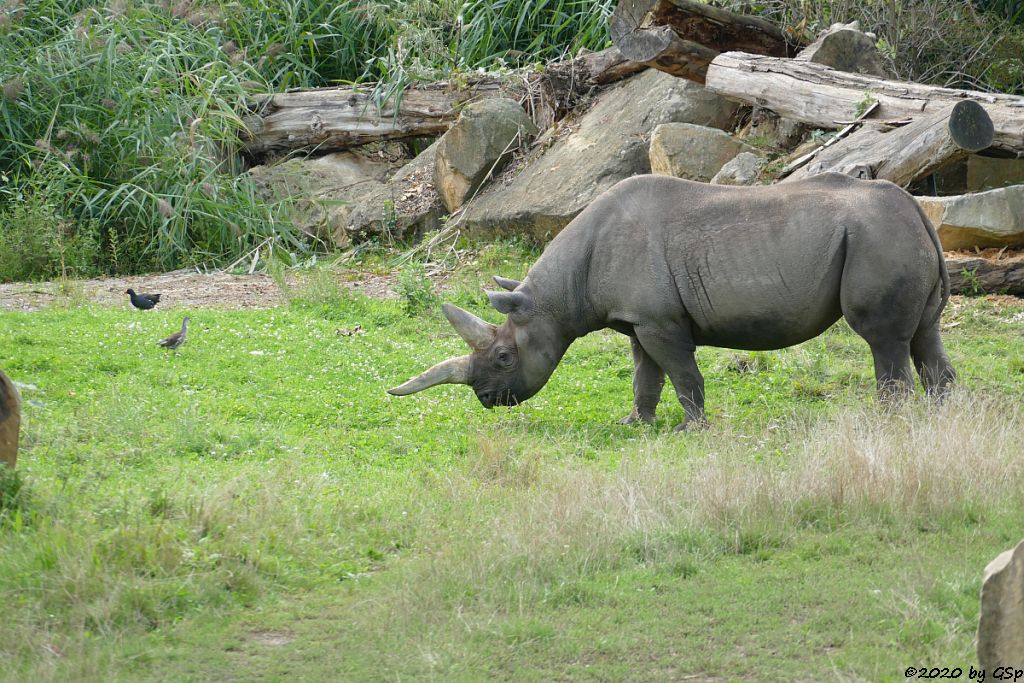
(415, 289)
(973, 282)
(38, 242)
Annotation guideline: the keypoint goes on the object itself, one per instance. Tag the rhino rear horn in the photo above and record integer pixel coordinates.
(506, 283)
(476, 332)
(451, 371)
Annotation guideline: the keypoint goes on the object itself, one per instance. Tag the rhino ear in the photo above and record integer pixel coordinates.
(506, 283)
(510, 303)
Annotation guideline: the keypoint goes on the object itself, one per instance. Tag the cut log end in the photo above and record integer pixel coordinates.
(970, 126)
(681, 37)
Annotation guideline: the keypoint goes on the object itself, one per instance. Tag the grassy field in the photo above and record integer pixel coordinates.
(256, 507)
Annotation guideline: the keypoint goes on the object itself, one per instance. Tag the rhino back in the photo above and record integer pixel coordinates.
(753, 268)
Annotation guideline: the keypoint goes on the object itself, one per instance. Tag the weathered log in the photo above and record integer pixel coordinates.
(824, 97)
(974, 275)
(10, 421)
(330, 119)
(595, 68)
(905, 154)
(681, 37)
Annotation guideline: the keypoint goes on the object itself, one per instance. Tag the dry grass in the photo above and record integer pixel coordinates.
(517, 520)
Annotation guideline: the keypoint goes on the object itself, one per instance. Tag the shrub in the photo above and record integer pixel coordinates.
(415, 289)
(940, 42)
(38, 242)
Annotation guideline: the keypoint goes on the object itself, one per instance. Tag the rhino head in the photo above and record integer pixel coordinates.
(508, 363)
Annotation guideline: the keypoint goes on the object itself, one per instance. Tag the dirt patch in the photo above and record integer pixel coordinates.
(179, 289)
(271, 638)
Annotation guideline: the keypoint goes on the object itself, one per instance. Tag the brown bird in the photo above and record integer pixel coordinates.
(177, 339)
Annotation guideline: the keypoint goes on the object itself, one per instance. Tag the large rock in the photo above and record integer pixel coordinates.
(743, 169)
(985, 219)
(480, 143)
(10, 421)
(588, 155)
(845, 48)
(406, 205)
(685, 150)
(1001, 624)
(317, 187)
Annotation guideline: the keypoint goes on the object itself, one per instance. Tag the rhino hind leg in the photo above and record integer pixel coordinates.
(673, 351)
(648, 380)
(937, 373)
(893, 378)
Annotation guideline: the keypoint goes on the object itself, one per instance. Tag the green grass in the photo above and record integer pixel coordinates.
(256, 507)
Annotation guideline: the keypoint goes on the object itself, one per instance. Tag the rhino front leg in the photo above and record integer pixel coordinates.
(674, 353)
(648, 380)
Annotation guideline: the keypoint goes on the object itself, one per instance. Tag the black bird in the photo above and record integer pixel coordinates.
(143, 302)
(177, 339)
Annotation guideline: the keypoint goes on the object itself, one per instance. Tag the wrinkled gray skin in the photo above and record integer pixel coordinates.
(676, 264)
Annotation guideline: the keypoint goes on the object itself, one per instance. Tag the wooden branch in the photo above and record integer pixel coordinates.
(820, 96)
(903, 155)
(330, 119)
(975, 275)
(681, 37)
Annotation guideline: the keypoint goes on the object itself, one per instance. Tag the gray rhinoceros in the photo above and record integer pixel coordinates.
(676, 264)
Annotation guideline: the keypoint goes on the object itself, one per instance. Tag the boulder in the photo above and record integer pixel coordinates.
(10, 421)
(685, 150)
(482, 140)
(985, 219)
(743, 169)
(319, 186)
(988, 173)
(406, 205)
(581, 158)
(845, 48)
(768, 129)
(1001, 623)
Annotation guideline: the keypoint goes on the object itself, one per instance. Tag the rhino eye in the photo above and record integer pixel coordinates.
(504, 358)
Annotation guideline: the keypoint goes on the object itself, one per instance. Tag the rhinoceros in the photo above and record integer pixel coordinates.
(676, 264)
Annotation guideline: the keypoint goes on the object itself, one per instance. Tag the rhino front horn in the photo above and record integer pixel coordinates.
(476, 332)
(451, 371)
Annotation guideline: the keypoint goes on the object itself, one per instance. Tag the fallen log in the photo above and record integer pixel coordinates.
(974, 275)
(10, 421)
(908, 153)
(823, 97)
(681, 37)
(331, 119)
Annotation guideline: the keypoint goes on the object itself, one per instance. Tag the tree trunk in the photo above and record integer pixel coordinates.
(331, 119)
(974, 275)
(822, 97)
(681, 37)
(903, 155)
(10, 421)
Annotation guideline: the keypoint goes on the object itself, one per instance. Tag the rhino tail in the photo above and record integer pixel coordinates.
(943, 271)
